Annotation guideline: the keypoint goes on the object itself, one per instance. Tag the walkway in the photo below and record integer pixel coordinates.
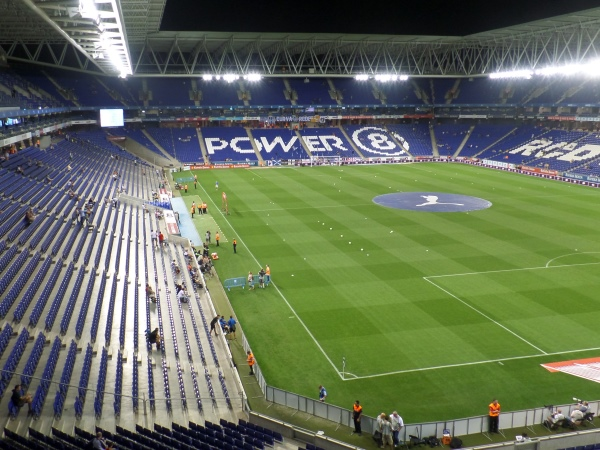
(187, 227)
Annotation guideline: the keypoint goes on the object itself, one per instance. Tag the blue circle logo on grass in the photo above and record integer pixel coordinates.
(432, 202)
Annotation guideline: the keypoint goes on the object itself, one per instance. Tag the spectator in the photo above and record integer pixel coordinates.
(153, 337)
(232, 325)
(154, 238)
(224, 326)
(397, 425)
(385, 427)
(161, 239)
(150, 293)
(182, 297)
(554, 420)
(251, 361)
(357, 410)
(99, 443)
(322, 393)
(213, 325)
(494, 415)
(250, 281)
(29, 216)
(576, 417)
(19, 399)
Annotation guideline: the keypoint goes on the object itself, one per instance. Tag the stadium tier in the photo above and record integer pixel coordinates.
(356, 93)
(314, 92)
(167, 92)
(449, 137)
(278, 143)
(164, 137)
(417, 136)
(187, 146)
(82, 89)
(327, 142)
(483, 136)
(268, 92)
(81, 277)
(228, 143)
(218, 93)
(374, 141)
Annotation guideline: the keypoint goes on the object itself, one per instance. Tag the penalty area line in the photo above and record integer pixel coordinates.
(472, 363)
(517, 270)
(481, 313)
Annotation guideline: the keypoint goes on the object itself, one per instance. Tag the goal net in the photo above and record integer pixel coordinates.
(329, 160)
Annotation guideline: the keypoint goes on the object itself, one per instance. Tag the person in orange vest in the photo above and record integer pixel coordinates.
(251, 361)
(185, 188)
(494, 416)
(217, 237)
(204, 207)
(356, 415)
(193, 210)
(267, 274)
(234, 246)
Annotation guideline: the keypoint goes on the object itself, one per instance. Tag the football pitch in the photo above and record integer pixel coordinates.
(432, 314)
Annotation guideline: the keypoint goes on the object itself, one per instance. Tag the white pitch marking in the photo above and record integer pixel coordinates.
(474, 363)
(276, 288)
(512, 270)
(486, 316)
(568, 254)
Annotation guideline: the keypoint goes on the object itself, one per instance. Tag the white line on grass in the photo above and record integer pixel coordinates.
(513, 270)
(486, 316)
(306, 207)
(568, 254)
(277, 289)
(254, 173)
(473, 363)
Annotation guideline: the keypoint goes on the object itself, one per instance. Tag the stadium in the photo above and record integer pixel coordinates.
(427, 208)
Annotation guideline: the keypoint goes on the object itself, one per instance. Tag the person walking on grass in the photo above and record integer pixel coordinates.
(217, 238)
(234, 246)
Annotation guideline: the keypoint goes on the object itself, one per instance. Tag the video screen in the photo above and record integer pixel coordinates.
(111, 118)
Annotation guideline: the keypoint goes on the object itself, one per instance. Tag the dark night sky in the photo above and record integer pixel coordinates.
(419, 17)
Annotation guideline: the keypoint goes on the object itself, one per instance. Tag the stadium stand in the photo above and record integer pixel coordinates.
(327, 142)
(278, 143)
(374, 141)
(231, 144)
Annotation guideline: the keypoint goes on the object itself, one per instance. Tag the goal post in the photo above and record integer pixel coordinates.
(325, 160)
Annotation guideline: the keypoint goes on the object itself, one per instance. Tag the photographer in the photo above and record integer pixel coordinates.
(554, 420)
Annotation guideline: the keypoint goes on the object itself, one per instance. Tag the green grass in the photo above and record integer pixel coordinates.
(432, 347)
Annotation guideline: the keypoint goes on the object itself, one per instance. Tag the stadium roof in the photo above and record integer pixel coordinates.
(54, 32)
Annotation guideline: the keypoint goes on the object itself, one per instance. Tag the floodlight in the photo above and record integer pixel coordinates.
(524, 74)
(253, 77)
(230, 77)
(87, 9)
(207, 77)
(361, 77)
(386, 77)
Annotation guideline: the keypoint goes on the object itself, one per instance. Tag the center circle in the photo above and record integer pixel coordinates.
(432, 202)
